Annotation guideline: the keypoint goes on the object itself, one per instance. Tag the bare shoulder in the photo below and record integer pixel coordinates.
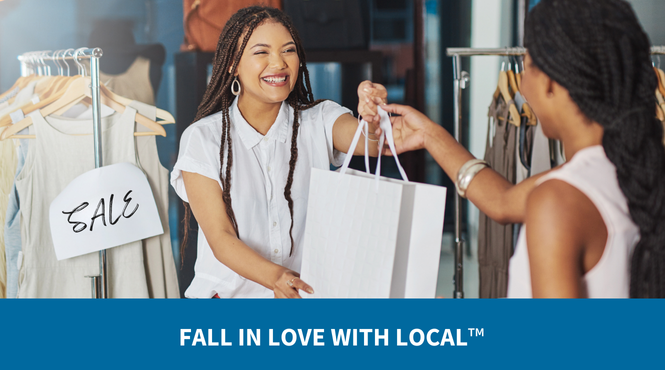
(559, 211)
(566, 237)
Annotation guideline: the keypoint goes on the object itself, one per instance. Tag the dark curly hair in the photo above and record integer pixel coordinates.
(597, 50)
(218, 97)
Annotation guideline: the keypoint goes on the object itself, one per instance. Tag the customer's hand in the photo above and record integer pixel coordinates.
(369, 96)
(289, 284)
(410, 129)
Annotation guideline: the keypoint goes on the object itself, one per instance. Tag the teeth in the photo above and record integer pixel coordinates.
(274, 79)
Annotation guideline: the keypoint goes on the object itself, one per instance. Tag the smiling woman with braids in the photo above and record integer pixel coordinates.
(244, 164)
(594, 227)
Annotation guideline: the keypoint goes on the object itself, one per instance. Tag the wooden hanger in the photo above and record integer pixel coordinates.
(77, 91)
(504, 89)
(156, 128)
(166, 117)
(528, 113)
(30, 107)
(512, 82)
(54, 85)
(76, 88)
(660, 108)
(21, 83)
(661, 80)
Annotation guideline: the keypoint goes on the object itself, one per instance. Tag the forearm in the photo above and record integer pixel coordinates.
(343, 131)
(207, 203)
(243, 260)
(489, 191)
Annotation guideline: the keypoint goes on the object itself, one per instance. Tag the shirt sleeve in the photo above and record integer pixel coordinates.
(329, 113)
(199, 153)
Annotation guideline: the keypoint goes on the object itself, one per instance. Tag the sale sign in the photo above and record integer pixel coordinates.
(103, 208)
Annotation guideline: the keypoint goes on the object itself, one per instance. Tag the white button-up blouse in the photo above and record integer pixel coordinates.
(259, 172)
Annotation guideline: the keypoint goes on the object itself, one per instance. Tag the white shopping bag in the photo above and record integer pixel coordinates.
(368, 236)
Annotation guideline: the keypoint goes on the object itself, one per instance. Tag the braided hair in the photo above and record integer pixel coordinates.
(597, 50)
(218, 98)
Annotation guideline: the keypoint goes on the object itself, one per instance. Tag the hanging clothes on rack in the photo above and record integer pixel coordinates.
(495, 241)
(129, 69)
(9, 152)
(60, 151)
(134, 83)
(510, 148)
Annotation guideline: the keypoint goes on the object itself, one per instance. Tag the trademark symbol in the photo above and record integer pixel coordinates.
(476, 332)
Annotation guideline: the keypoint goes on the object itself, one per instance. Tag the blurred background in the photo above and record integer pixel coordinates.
(399, 43)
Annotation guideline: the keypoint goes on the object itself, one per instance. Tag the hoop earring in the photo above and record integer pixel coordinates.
(235, 91)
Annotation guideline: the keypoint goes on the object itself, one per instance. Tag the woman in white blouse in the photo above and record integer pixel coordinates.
(244, 164)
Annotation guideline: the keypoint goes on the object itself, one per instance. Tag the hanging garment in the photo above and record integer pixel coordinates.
(12, 231)
(495, 241)
(594, 175)
(8, 163)
(540, 153)
(54, 159)
(523, 150)
(160, 267)
(524, 142)
(557, 155)
(134, 83)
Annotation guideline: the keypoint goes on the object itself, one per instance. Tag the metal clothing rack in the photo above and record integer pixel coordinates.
(33, 63)
(460, 79)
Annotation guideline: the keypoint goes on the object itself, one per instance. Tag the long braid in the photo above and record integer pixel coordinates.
(597, 50)
(218, 97)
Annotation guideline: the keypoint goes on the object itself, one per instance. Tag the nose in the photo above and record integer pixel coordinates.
(277, 61)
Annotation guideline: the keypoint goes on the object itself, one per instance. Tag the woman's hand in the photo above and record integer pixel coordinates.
(289, 284)
(370, 95)
(410, 128)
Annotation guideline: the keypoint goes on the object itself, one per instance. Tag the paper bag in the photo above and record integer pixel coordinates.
(368, 236)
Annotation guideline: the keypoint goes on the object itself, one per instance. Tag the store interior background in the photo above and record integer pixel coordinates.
(31, 25)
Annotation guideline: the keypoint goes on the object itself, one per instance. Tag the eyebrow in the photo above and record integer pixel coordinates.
(267, 46)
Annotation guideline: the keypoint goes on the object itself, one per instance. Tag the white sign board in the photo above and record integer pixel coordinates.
(103, 208)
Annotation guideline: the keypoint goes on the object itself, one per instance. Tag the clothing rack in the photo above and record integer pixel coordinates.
(460, 80)
(33, 63)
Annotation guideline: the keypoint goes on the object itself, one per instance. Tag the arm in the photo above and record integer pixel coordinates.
(343, 130)
(489, 191)
(205, 199)
(566, 237)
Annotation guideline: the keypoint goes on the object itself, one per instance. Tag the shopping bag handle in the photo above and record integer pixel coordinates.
(387, 134)
(352, 148)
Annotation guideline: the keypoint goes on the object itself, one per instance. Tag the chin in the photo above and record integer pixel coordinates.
(275, 98)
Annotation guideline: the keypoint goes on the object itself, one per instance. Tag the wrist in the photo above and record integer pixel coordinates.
(431, 133)
(276, 275)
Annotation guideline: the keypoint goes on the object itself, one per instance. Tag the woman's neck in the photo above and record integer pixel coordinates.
(583, 135)
(260, 115)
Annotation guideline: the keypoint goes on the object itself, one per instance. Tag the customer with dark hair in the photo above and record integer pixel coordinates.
(595, 227)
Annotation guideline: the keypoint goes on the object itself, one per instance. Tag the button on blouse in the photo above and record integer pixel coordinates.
(259, 173)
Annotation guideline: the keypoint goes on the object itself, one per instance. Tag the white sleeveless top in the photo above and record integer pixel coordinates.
(594, 175)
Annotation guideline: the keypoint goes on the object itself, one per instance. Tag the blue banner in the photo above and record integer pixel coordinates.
(327, 334)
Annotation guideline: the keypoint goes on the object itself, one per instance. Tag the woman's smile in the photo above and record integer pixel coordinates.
(276, 80)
